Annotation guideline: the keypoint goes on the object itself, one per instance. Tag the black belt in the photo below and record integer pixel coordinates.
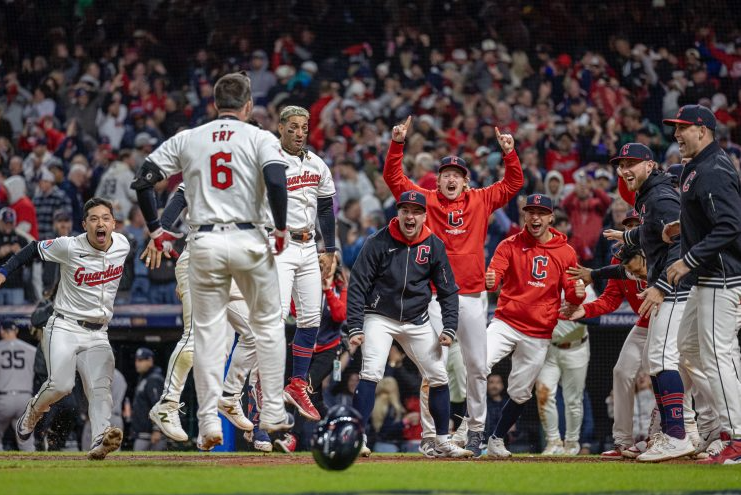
(569, 345)
(83, 323)
(240, 226)
(302, 235)
(17, 392)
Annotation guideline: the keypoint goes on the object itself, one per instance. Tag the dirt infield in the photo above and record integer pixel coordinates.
(282, 459)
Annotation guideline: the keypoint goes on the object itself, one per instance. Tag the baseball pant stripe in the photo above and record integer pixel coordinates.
(173, 364)
(629, 363)
(47, 356)
(666, 337)
(717, 367)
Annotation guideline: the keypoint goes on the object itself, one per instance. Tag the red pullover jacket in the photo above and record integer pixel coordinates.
(613, 295)
(534, 275)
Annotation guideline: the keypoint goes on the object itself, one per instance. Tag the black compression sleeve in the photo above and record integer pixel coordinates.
(325, 215)
(148, 204)
(174, 208)
(275, 183)
(22, 257)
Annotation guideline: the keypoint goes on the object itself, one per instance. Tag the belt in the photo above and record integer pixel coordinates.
(302, 235)
(211, 227)
(17, 392)
(569, 345)
(83, 323)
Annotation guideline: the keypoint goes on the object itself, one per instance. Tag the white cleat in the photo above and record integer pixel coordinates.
(166, 416)
(107, 442)
(449, 449)
(460, 437)
(231, 409)
(209, 440)
(495, 448)
(571, 447)
(667, 447)
(554, 447)
(427, 447)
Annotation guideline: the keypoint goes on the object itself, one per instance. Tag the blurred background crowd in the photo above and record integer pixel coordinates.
(90, 88)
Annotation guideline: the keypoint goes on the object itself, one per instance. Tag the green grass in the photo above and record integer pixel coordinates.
(191, 475)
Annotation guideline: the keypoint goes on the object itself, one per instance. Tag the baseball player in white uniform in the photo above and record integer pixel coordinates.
(75, 337)
(16, 379)
(166, 412)
(229, 167)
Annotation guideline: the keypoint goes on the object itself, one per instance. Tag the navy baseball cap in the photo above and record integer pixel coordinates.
(453, 161)
(632, 215)
(7, 215)
(633, 151)
(693, 115)
(412, 198)
(8, 324)
(539, 201)
(144, 353)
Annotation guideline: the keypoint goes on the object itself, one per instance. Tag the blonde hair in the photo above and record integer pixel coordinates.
(387, 398)
(292, 111)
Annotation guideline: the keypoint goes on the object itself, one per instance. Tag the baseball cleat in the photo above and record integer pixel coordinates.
(460, 437)
(364, 450)
(166, 416)
(287, 444)
(476, 443)
(285, 424)
(296, 394)
(554, 447)
(427, 447)
(27, 422)
(261, 440)
(729, 454)
(667, 447)
(495, 448)
(231, 408)
(708, 439)
(107, 442)
(209, 440)
(449, 449)
(639, 448)
(615, 454)
(571, 447)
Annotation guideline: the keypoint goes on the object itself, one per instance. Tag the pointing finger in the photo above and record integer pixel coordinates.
(499, 134)
(408, 122)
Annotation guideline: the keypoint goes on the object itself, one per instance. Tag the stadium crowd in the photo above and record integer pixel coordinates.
(86, 96)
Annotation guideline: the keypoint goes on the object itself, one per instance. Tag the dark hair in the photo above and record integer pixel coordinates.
(93, 202)
(232, 91)
(627, 253)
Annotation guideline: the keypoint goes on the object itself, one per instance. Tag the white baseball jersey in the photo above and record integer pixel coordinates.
(222, 164)
(89, 278)
(307, 178)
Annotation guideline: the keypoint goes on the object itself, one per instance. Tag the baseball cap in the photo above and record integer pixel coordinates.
(633, 151)
(7, 324)
(62, 216)
(453, 161)
(144, 138)
(693, 115)
(412, 198)
(144, 353)
(601, 173)
(7, 215)
(631, 215)
(539, 201)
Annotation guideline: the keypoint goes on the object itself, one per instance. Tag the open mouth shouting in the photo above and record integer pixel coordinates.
(100, 234)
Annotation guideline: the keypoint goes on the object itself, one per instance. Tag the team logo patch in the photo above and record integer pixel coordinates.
(47, 244)
(423, 254)
(625, 150)
(539, 263)
(688, 182)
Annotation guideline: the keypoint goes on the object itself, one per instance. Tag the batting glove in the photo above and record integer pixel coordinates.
(163, 241)
(280, 240)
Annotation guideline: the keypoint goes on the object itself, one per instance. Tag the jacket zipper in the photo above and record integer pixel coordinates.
(406, 272)
(720, 255)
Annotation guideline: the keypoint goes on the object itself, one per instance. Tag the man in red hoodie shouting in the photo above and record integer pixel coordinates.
(532, 267)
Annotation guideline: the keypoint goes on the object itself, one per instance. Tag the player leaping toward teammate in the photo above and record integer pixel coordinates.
(459, 216)
(531, 266)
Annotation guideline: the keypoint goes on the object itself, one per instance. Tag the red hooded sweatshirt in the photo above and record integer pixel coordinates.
(533, 277)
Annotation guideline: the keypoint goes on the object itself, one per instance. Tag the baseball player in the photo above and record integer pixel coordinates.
(229, 167)
(388, 298)
(16, 380)
(531, 266)
(657, 204)
(166, 412)
(76, 337)
(710, 224)
(460, 217)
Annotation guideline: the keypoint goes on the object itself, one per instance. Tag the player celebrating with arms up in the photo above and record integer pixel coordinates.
(460, 217)
(76, 337)
(532, 267)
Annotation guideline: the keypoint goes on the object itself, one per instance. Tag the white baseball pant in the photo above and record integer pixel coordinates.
(569, 368)
(528, 357)
(300, 278)
(709, 325)
(630, 362)
(217, 257)
(420, 343)
(663, 328)
(471, 337)
(68, 347)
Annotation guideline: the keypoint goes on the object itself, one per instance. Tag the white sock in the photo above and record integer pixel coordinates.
(439, 439)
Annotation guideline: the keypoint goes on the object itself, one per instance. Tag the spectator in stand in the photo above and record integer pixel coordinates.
(115, 183)
(137, 229)
(424, 171)
(149, 387)
(555, 188)
(386, 426)
(84, 107)
(586, 206)
(48, 200)
(75, 186)
(26, 223)
(50, 271)
(11, 293)
(563, 157)
(111, 119)
(496, 397)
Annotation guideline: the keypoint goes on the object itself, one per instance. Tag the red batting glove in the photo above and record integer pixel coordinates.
(280, 240)
(163, 241)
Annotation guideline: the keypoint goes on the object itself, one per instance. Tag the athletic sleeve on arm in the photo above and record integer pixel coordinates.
(21, 258)
(609, 272)
(393, 172)
(55, 250)
(274, 174)
(499, 194)
(325, 215)
(174, 208)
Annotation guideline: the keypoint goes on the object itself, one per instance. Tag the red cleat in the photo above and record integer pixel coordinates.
(731, 453)
(296, 394)
(612, 455)
(287, 444)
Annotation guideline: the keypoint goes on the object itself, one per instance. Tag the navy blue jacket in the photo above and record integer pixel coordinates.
(392, 276)
(711, 218)
(657, 203)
